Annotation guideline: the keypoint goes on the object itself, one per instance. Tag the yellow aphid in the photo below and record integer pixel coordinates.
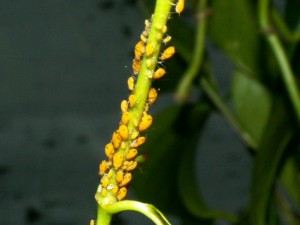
(123, 131)
(104, 192)
(179, 6)
(168, 53)
(118, 160)
(123, 145)
(134, 134)
(131, 100)
(124, 106)
(115, 190)
(164, 29)
(150, 49)
(146, 109)
(149, 63)
(127, 178)
(146, 122)
(130, 83)
(147, 25)
(116, 139)
(104, 181)
(103, 167)
(130, 165)
(125, 117)
(139, 49)
(160, 72)
(167, 39)
(136, 66)
(131, 153)
(92, 222)
(152, 96)
(144, 37)
(138, 142)
(109, 150)
(122, 193)
(120, 176)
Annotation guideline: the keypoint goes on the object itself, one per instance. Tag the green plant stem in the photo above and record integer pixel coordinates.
(286, 70)
(282, 27)
(103, 217)
(186, 82)
(147, 209)
(222, 107)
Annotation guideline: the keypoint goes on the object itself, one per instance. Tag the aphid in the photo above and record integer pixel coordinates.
(150, 49)
(130, 83)
(152, 96)
(109, 150)
(130, 165)
(149, 63)
(120, 176)
(103, 167)
(131, 100)
(123, 145)
(92, 222)
(160, 72)
(131, 153)
(164, 29)
(116, 139)
(134, 134)
(127, 178)
(146, 109)
(124, 106)
(139, 49)
(104, 181)
(122, 193)
(110, 187)
(167, 39)
(125, 118)
(147, 26)
(144, 37)
(138, 142)
(118, 160)
(179, 6)
(123, 131)
(115, 190)
(136, 66)
(168, 53)
(146, 122)
(103, 192)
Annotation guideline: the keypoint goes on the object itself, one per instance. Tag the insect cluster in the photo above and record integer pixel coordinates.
(122, 150)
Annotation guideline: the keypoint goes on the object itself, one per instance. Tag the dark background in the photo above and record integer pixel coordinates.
(63, 72)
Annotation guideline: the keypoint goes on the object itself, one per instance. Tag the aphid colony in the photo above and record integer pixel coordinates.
(122, 150)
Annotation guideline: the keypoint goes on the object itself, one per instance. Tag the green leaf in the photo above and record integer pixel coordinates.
(190, 192)
(233, 28)
(274, 143)
(292, 15)
(252, 104)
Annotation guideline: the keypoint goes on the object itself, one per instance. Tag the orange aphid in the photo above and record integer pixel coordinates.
(131, 100)
(123, 131)
(109, 150)
(119, 176)
(125, 118)
(139, 49)
(136, 66)
(168, 53)
(122, 193)
(104, 181)
(124, 106)
(118, 160)
(127, 178)
(130, 83)
(138, 142)
(130, 165)
(103, 167)
(150, 49)
(116, 139)
(160, 72)
(131, 153)
(179, 6)
(146, 122)
(152, 96)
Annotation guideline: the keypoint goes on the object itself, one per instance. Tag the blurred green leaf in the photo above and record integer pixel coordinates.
(271, 150)
(252, 104)
(292, 15)
(232, 27)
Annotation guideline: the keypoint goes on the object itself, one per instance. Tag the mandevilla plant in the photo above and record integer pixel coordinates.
(262, 42)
